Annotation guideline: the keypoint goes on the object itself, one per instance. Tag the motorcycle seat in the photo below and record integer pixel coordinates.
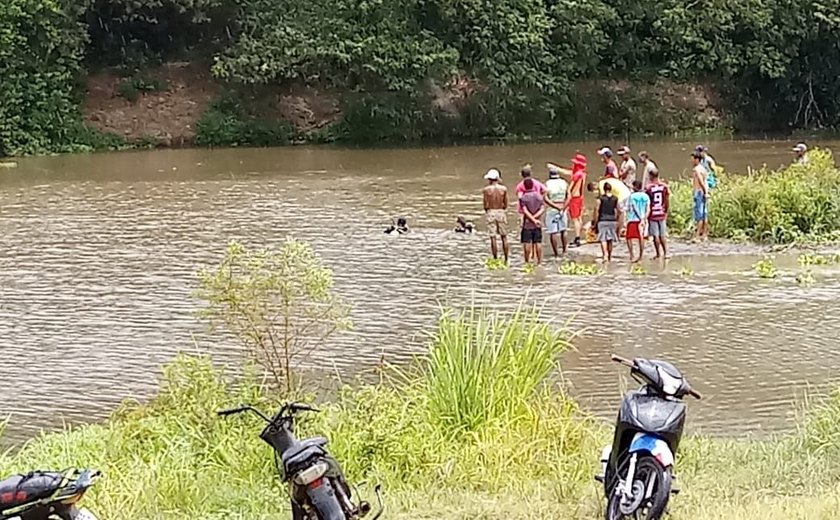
(303, 450)
(20, 489)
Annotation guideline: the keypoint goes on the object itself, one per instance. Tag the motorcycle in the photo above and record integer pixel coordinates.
(317, 487)
(637, 470)
(47, 496)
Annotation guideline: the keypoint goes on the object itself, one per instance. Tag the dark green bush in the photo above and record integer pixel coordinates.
(132, 88)
(226, 124)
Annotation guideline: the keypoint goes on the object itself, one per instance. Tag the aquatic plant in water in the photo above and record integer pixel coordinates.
(495, 264)
(577, 269)
(806, 277)
(806, 259)
(766, 269)
(529, 268)
(638, 270)
(686, 272)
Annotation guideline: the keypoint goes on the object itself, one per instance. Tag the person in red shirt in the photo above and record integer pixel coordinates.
(610, 168)
(574, 196)
(657, 223)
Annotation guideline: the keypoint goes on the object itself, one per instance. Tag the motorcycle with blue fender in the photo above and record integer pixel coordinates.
(637, 470)
(317, 487)
(41, 495)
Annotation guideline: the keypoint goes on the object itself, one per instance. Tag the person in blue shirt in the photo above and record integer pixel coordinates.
(638, 212)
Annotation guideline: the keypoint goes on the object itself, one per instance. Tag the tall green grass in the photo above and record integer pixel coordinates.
(485, 368)
(796, 203)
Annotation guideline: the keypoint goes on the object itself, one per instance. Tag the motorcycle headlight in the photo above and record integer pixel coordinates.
(312, 473)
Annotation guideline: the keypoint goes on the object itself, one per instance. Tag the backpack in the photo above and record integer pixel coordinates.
(711, 178)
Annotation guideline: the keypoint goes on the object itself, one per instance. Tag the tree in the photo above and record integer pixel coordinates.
(41, 47)
(280, 304)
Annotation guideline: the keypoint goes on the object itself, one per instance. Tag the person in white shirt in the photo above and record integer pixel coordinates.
(627, 170)
(556, 199)
(648, 166)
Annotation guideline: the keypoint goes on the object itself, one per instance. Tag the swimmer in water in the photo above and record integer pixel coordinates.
(462, 226)
(400, 228)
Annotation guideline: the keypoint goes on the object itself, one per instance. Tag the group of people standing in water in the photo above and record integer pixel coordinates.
(631, 201)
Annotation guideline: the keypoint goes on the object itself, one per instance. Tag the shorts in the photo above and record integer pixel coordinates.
(531, 236)
(701, 206)
(575, 207)
(633, 231)
(657, 228)
(497, 222)
(607, 231)
(556, 222)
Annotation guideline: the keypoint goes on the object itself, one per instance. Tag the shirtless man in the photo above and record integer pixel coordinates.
(701, 197)
(495, 208)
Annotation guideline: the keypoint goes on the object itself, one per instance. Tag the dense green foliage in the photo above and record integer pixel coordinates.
(227, 124)
(520, 67)
(799, 203)
(41, 47)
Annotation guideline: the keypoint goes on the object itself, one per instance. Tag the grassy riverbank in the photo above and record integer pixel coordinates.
(793, 204)
(475, 430)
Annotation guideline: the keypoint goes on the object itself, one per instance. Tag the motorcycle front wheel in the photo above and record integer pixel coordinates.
(650, 478)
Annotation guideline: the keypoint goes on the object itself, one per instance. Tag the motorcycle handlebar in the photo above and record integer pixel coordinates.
(241, 409)
(294, 407)
(695, 394)
(291, 407)
(232, 411)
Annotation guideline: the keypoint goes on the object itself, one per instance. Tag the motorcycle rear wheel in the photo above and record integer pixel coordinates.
(647, 469)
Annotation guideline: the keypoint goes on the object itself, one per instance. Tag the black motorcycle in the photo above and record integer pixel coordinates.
(637, 471)
(317, 486)
(46, 496)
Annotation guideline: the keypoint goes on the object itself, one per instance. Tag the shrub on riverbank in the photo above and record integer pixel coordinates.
(231, 121)
(795, 203)
(530, 455)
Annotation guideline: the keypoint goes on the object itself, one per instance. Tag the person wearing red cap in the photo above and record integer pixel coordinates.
(574, 197)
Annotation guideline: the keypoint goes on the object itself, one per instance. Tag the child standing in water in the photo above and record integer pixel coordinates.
(701, 197)
(638, 212)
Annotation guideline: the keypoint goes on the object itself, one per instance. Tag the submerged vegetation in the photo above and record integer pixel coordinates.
(766, 268)
(798, 203)
(573, 268)
(480, 430)
(495, 264)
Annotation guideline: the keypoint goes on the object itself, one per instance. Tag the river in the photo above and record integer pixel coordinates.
(99, 254)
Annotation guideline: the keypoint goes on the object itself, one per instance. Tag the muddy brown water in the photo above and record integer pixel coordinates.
(98, 255)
